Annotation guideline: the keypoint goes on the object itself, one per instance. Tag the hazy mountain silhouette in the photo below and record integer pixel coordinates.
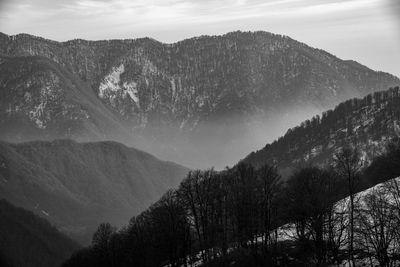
(76, 186)
(30, 241)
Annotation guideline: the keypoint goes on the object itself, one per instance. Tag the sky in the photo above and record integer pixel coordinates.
(367, 31)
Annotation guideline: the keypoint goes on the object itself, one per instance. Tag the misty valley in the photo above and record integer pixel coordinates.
(241, 149)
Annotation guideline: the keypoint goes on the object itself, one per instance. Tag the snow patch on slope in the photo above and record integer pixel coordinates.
(112, 84)
(36, 114)
(131, 90)
(288, 231)
(111, 81)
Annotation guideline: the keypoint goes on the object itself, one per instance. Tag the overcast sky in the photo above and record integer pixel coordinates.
(364, 30)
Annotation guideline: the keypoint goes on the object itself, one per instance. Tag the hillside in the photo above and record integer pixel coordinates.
(246, 216)
(369, 123)
(55, 104)
(169, 99)
(29, 241)
(76, 186)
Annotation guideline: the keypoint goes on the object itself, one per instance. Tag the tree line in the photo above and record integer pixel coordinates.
(355, 120)
(243, 211)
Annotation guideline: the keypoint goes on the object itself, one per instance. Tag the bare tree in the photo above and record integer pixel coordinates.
(101, 243)
(269, 189)
(244, 204)
(310, 205)
(170, 226)
(348, 164)
(377, 225)
(337, 224)
(195, 192)
(392, 188)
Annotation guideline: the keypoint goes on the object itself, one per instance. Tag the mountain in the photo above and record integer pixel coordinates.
(30, 241)
(55, 104)
(202, 101)
(76, 186)
(369, 123)
(238, 209)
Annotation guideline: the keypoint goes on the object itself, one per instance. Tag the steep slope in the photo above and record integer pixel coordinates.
(41, 100)
(76, 186)
(224, 89)
(369, 123)
(30, 241)
(233, 199)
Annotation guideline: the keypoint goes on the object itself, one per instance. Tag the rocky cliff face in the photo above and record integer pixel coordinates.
(221, 89)
(369, 124)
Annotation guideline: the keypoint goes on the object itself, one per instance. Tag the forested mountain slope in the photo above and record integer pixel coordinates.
(229, 218)
(29, 241)
(42, 100)
(368, 123)
(76, 186)
(184, 98)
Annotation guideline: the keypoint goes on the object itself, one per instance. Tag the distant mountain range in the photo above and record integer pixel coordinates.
(369, 124)
(201, 102)
(29, 241)
(77, 186)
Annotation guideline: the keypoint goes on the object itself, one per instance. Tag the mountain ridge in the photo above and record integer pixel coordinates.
(166, 98)
(188, 39)
(76, 186)
(369, 123)
(28, 240)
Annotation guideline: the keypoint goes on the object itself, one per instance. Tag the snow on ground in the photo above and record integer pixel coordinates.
(360, 197)
(287, 232)
(112, 83)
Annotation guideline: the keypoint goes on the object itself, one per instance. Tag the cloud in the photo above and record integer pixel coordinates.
(103, 19)
(394, 8)
(155, 12)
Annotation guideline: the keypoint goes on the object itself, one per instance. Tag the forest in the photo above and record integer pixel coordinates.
(29, 240)
(359, 121)
(240, 217)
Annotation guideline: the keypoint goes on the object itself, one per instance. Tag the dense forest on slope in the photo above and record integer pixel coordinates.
(29, 241)
(214, 213)
(76, 186)
(370, 123)
(231, 218)
(185, 98)
(42, 100)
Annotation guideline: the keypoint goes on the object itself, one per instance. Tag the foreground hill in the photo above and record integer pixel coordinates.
(369, 123)
(208, 98)
(229, 218)
(30, 241)
(76, 186)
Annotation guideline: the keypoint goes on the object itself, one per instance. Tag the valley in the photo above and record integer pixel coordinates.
(135, 152)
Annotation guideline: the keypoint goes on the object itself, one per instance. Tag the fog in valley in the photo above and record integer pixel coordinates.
(220, 146)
